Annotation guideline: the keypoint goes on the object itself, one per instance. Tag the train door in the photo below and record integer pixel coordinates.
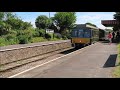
(91, 36)
(87, 36)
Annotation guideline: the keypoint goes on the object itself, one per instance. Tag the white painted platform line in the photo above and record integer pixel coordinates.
(47, 62)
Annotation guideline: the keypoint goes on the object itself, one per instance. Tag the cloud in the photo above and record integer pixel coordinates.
(31, 17)
(94, 18)
(82, 17)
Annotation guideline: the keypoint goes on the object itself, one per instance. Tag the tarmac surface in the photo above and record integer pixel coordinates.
(94, 61)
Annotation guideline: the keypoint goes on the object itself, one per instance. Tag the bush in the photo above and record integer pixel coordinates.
(68, 36)
(48, 36)
(42, 33)
(38, 39)
(36, 34)
(116, 72)
(10, 36)
(57, 36)
(23, 39)
(2, 41)
(64, 37)
(26, 33)
(12, 41)
(14, 32)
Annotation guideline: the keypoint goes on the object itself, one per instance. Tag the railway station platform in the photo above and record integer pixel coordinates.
(95, 61)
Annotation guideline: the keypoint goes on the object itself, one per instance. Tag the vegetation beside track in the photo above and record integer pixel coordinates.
(116, 72)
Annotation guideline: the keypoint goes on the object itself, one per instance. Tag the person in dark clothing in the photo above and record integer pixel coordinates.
(118, 37)
(113, 38)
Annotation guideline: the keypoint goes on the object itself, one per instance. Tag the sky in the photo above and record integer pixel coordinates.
(82, 17)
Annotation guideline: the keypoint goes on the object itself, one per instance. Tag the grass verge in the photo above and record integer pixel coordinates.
(116, 72)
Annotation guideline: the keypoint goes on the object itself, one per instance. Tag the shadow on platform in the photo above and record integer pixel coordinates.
(110, 61)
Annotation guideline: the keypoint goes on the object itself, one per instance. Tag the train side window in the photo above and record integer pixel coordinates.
(87, 33)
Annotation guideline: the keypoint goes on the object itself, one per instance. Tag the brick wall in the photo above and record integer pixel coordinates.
(10, 55)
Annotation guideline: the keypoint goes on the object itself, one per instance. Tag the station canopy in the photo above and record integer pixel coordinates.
(109, 23)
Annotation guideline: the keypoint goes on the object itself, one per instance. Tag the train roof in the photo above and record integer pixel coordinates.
(85, 26)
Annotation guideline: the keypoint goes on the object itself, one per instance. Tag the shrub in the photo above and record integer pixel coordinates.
(23, 39)
(14, 32)
(68, 36)
(64, 37)
(57, 36)
(38, 39)
(48, 36)
(42, 33)
(2, 41)
(36, 34)
(10, 36)
(12, 41)
(26, 33)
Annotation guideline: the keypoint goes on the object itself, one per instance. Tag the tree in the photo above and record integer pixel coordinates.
(64, 20)
(1, 16)
(117, 17)
(42, 22)
(9, 21)
(4, 27)
(17, 23)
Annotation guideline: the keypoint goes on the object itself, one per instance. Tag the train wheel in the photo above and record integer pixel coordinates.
(76, 46)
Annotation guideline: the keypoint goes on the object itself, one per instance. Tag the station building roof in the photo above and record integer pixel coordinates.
(109, 23)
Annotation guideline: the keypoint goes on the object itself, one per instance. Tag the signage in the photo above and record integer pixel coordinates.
(49, 31)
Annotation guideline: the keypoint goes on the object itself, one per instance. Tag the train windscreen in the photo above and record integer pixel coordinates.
(74, 33)
(80, 33)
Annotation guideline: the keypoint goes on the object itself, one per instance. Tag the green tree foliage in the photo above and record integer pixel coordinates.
(1, 16)
(117, 17)
(48, 36)
(13, 30)
(42, 22)
(64, 20)
(40, 32)
(18, 24)
(23, 39)
(9, 21)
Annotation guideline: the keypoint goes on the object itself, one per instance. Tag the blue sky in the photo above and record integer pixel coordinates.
(82, 17)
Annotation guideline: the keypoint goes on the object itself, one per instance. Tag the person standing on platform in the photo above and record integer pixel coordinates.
(118, 37)
(110, 37)
(113, 37)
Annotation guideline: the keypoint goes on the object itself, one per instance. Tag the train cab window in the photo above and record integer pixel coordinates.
(80, 33)
(74, 33)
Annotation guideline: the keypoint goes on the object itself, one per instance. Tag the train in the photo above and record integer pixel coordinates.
(85, 34)
(103, 35)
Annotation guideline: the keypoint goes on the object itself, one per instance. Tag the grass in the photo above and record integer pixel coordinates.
(38, 39)
(41, 39)
(116, 72)
(5, 42)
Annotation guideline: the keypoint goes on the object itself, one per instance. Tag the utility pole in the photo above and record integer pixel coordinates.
(49, 14)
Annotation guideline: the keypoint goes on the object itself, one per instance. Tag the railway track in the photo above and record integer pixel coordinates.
(20, 65)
